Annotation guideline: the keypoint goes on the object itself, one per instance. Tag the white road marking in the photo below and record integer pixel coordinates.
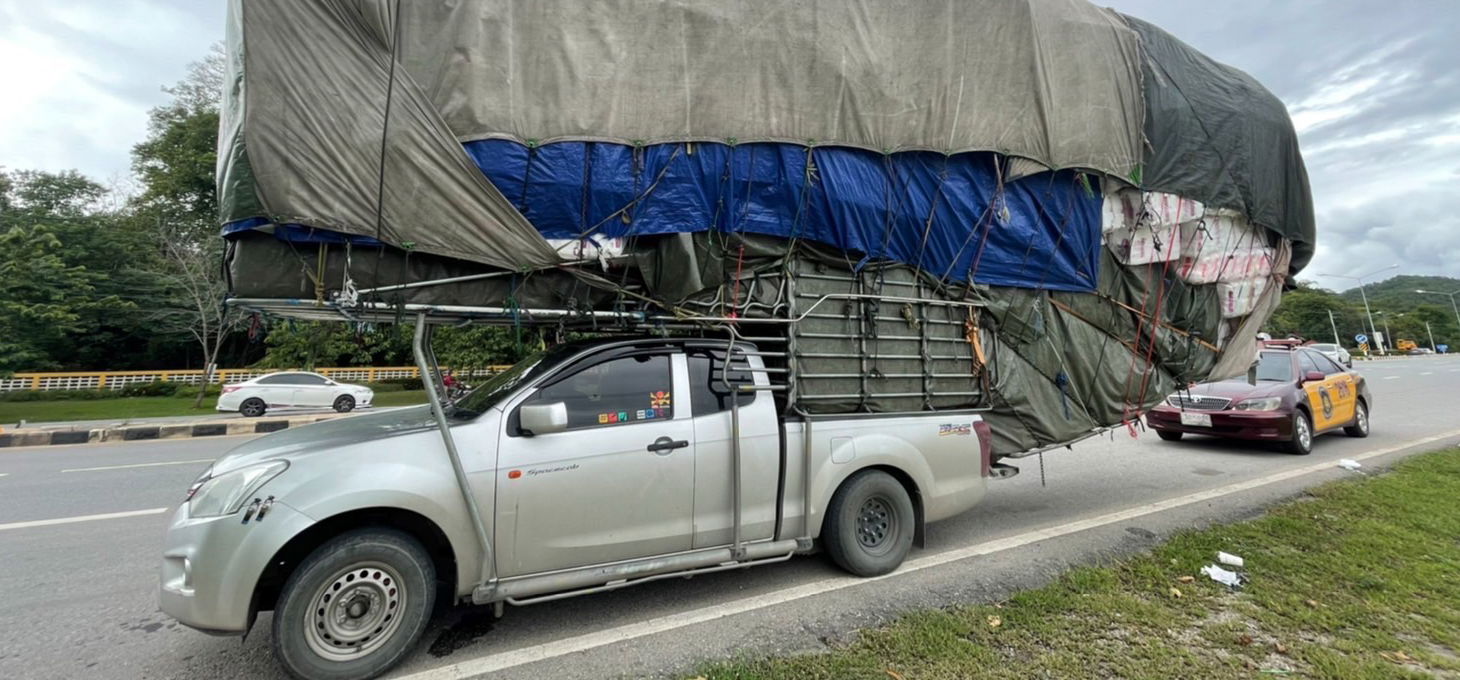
(1391, 377)
(631, 631)
(140, 465)
(82, 518)
(1428, 373)
(4, 474)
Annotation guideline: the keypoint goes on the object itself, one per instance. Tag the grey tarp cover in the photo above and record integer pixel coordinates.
(1218, 136)
(1055, 81)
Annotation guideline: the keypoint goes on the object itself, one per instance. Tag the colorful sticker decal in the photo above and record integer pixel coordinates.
(602, 418)
(639, 414)
(1327, 403)
(649, 415)
(659, 399)
(956, 429)
(623, 416)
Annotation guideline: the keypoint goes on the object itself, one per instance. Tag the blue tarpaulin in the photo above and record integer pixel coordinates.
(943, 213)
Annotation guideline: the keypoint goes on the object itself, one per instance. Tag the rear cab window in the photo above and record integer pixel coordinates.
(708, 392)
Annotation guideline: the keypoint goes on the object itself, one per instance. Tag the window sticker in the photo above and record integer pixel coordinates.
(659, 399)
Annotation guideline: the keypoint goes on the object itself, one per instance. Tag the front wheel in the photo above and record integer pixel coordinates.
(344, 404)
(869, 524)
(355, 607)
(1360, 428)
(1302, 442)
(252, 408)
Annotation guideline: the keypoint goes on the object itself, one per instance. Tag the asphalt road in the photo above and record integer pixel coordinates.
(78, 599)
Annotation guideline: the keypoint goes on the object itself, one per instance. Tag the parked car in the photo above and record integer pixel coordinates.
(1298, 393)
(1337, 353)
(588, 467)
(292, 390)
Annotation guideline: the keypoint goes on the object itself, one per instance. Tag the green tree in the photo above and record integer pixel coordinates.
(309, 345)
(42, 299)
(1305, 311)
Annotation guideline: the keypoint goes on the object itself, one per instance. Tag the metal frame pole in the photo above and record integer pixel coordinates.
(419, 347)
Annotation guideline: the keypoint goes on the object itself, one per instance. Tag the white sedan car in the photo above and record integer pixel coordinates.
(291, 390)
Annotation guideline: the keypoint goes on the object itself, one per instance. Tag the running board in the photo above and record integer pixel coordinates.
(645, 579)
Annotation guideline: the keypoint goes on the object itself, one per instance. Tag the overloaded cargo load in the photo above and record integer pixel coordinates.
(1042, 208)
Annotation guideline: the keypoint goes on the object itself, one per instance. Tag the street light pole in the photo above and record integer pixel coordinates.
(1334, 326)
(1365, 296)
(1453, 307)
(1432, 338)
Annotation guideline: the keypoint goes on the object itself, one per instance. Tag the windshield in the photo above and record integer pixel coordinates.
(500, 385)
(1275, 366)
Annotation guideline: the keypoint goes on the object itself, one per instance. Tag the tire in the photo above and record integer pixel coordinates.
(1360, 428)
(1169, 435)
(390, 583)
(870, 524)
(252, 407)
(344, 404)
(1302, 442)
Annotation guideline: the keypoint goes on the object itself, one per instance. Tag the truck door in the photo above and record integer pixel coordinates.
(617, 484)
(760, 441)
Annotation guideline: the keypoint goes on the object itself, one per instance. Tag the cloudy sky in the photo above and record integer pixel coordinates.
(1374, 89)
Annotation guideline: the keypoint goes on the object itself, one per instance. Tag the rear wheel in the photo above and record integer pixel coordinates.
(1169, 435)
(345, 404)
(355, 607)
(1302, 442)
(1360, 428)
(252, 408)
(869, 524)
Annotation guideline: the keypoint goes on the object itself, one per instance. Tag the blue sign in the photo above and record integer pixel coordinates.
(1361, 338)
(1442, 348)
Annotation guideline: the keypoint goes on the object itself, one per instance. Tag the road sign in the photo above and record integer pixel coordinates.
(1361, 338)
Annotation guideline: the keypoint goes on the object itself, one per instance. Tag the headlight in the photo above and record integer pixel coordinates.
(226, 493)
(1263, 404)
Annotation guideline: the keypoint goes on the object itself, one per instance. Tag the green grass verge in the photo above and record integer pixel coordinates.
(145, 407)
(1357, 579)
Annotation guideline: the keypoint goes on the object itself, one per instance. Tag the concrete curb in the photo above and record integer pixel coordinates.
(132, 433)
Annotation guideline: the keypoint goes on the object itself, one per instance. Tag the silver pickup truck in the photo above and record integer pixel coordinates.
(588, 467)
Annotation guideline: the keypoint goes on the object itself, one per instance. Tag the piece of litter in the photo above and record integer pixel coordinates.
(1229, 559)
(1227, 578)
(1349, 464)
(1176, 593)
(1312, 603)
(995, 622)
(1187, 579)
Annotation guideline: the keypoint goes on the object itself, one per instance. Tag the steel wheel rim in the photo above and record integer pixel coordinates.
(1305, 437)
(354, 612)
(345, 402)
(876, 525)
(1363, 419)
(252, 409)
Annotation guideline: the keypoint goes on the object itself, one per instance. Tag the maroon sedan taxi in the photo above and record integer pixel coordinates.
(1298, 394)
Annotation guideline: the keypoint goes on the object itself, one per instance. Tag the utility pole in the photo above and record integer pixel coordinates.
(1334, 326)
(1365, 296)
(1432, 338)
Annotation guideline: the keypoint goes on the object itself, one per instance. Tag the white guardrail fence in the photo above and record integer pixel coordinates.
(116, 380)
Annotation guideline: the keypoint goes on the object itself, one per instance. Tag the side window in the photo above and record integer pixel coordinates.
(282, 379)
(1306, 363)
(615, 392)
(708, 393)
(1325, 364)
(307, 379)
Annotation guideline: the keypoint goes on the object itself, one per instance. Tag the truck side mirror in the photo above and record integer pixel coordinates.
(1314, 376)
(538, 419)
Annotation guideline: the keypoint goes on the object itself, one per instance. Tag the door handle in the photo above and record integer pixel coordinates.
(664, 445)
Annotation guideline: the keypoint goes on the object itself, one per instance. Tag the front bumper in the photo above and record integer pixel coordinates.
(1254, 425)
(210, 565)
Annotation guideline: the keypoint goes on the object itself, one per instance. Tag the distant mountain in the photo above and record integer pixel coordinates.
(1398, 294)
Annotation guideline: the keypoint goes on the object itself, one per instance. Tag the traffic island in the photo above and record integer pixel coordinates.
(133, 433)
